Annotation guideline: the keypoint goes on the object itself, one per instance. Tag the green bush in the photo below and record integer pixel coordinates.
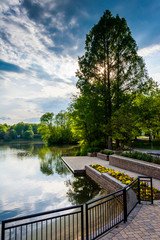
(140, 156)
(28, 134)
(107, 152)
(93, 149)
(84, 150)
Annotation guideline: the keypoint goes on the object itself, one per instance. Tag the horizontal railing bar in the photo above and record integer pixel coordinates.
(108, 200)
(41, 220)
(110, 194)
(144, 177)
(41, 214)
(96, 203)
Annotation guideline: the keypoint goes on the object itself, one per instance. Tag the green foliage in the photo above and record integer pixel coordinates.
(27, 126)
(18, 131)
(19, 128)
(7, 136)
(3, 130)
(139, 156)
(93, 149)
(47, 119)
(107, 152)
(28, 134)
(141, 143)
(10, 135)
(110, 76)
(148, 113)
(56, 130)
(13, 134)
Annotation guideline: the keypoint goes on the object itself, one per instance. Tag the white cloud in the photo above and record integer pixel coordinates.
(61, 90)
(151, 56)
(147, 51)
(156, 76)
(28, 47)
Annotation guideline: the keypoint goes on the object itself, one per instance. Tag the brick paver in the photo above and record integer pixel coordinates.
(143, 224)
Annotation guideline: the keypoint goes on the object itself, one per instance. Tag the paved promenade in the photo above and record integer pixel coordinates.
(144, 221)
(77, 165)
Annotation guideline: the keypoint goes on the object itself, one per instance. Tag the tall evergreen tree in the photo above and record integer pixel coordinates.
(109, 70)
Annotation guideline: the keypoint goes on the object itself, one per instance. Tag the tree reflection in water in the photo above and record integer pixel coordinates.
(50, 161)
(80, 189)
(83, 189)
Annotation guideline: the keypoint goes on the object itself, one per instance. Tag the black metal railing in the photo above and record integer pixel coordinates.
(145, 189)
(100, 216)
(105, 213)
(66, 223)
(132, 195)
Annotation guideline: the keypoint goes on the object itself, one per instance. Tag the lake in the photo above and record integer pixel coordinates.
(33, 179)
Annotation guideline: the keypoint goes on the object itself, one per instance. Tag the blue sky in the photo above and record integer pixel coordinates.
(40, 42)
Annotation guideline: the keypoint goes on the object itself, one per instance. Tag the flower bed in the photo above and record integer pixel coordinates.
(126, 179)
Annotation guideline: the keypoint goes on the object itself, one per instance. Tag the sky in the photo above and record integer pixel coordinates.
(40, 41)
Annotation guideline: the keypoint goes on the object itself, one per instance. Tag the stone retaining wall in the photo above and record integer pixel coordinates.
(104, 179)
(103, 156)
(93, 154)
(139, 166)
(111, 184)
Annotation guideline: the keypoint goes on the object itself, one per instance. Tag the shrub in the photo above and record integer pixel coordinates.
(140, 156)
(107, 152)
(28, 134)
(84, 150)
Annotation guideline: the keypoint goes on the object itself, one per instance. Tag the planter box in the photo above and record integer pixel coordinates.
(104, 179)
(93, 154)
(103, 156)
(111, 184)
(134, 165)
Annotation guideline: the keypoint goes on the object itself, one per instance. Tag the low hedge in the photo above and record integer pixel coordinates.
(139, 156)
(107, 152)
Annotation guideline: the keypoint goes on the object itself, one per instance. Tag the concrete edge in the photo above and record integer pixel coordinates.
(74, 171)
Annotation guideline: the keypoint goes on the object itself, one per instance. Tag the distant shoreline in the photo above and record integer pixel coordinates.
(15, 141)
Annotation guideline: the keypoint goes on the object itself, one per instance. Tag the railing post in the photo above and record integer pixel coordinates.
(139, 193)
(3, 231)
(151, 191)
(87, 237)
(82, 224)
(125, 204)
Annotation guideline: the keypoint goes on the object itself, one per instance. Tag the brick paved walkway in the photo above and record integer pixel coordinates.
(143, 224)
(144, 221)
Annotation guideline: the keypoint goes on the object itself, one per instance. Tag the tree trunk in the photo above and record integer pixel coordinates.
(110, 143)
(117, 143)
(150, 138)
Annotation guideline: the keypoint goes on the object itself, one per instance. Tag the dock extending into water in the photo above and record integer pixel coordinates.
(77, 166)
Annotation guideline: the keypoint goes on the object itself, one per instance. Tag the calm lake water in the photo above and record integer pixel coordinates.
(33, 179)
